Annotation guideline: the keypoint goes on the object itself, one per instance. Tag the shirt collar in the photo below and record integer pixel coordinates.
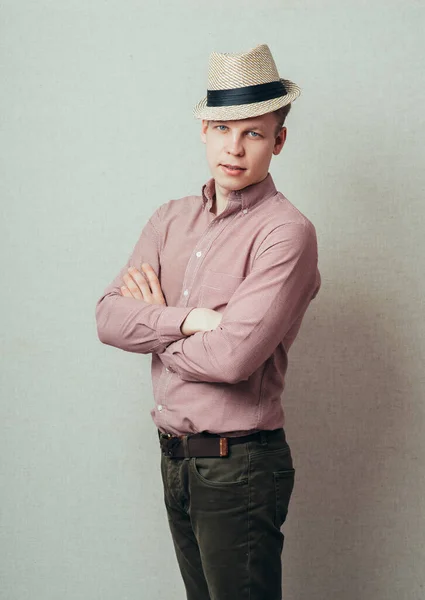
(245, 198)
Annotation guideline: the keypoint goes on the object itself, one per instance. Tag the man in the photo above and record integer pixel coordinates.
(216, 289)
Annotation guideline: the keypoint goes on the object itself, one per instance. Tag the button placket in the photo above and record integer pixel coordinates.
(198, 254)
(192, 267)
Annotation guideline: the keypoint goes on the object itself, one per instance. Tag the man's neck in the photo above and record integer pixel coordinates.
(219, 203)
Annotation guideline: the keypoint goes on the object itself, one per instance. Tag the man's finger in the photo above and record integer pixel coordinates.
(154, 283)
(125, 291)
(136, 287)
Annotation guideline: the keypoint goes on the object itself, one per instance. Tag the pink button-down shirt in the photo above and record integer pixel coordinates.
(256, 263)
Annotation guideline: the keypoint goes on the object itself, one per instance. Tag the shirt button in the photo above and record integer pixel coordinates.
(245, 210)
(185, 293)
(160, 407)
(198, 254)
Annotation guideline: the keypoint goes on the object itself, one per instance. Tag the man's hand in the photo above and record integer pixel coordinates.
(201, 319)
(149, 289)
(141, 288)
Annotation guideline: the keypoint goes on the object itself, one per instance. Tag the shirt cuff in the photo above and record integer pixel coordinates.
(170, 322)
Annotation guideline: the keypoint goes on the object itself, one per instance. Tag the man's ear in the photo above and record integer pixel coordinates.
(280, 141)
(204, 127)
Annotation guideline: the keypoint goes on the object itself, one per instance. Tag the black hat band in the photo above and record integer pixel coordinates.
(246, 95)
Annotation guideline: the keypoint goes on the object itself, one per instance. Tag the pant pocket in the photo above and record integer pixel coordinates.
(232, 470)
(283, 484)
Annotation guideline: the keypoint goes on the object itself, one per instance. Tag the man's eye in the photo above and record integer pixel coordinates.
(225, 127)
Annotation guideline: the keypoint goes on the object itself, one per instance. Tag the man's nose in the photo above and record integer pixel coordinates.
(235, 145)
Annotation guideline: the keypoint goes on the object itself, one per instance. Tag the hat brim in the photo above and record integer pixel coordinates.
(244, 111)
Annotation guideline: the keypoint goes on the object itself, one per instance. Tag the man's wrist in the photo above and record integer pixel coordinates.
(193, 323)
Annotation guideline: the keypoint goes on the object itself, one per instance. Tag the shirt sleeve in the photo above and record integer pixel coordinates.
(132, 324)
(273, 297)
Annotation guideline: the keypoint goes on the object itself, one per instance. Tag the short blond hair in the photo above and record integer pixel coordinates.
(281, 114)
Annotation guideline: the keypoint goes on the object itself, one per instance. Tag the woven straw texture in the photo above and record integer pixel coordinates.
(228, 71)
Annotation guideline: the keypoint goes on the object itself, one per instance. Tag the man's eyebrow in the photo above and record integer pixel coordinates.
(248, 126)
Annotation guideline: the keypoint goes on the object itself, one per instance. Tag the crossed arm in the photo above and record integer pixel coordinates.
(135, 317)
(200, 344)
(146, 286)
(267, 307)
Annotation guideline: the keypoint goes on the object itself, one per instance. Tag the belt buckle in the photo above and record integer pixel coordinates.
(170, 442)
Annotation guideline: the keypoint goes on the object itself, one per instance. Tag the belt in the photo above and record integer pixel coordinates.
(205, 444)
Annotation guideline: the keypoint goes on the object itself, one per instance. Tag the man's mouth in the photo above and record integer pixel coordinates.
(234, 167)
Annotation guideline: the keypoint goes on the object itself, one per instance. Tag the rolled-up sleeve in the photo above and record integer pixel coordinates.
(275, 294)
(132, 324)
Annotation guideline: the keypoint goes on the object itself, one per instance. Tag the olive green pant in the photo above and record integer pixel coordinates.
(225, 516)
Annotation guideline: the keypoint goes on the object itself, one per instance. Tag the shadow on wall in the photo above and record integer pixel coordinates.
(353, 419)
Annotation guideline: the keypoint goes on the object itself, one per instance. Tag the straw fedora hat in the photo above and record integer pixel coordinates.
(244, 85)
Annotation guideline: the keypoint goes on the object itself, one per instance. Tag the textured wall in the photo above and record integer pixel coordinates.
(96, 132)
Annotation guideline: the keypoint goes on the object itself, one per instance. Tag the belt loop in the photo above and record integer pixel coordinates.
(263, 438)
(185, 446)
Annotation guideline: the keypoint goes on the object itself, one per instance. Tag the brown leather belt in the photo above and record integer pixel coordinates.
(205, 444)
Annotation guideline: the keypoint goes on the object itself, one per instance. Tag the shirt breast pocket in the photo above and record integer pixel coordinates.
(217, 289)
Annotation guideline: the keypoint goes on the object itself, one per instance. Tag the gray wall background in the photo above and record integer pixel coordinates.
(96, 133)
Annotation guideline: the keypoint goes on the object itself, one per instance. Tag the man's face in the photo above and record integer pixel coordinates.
(248, 143)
